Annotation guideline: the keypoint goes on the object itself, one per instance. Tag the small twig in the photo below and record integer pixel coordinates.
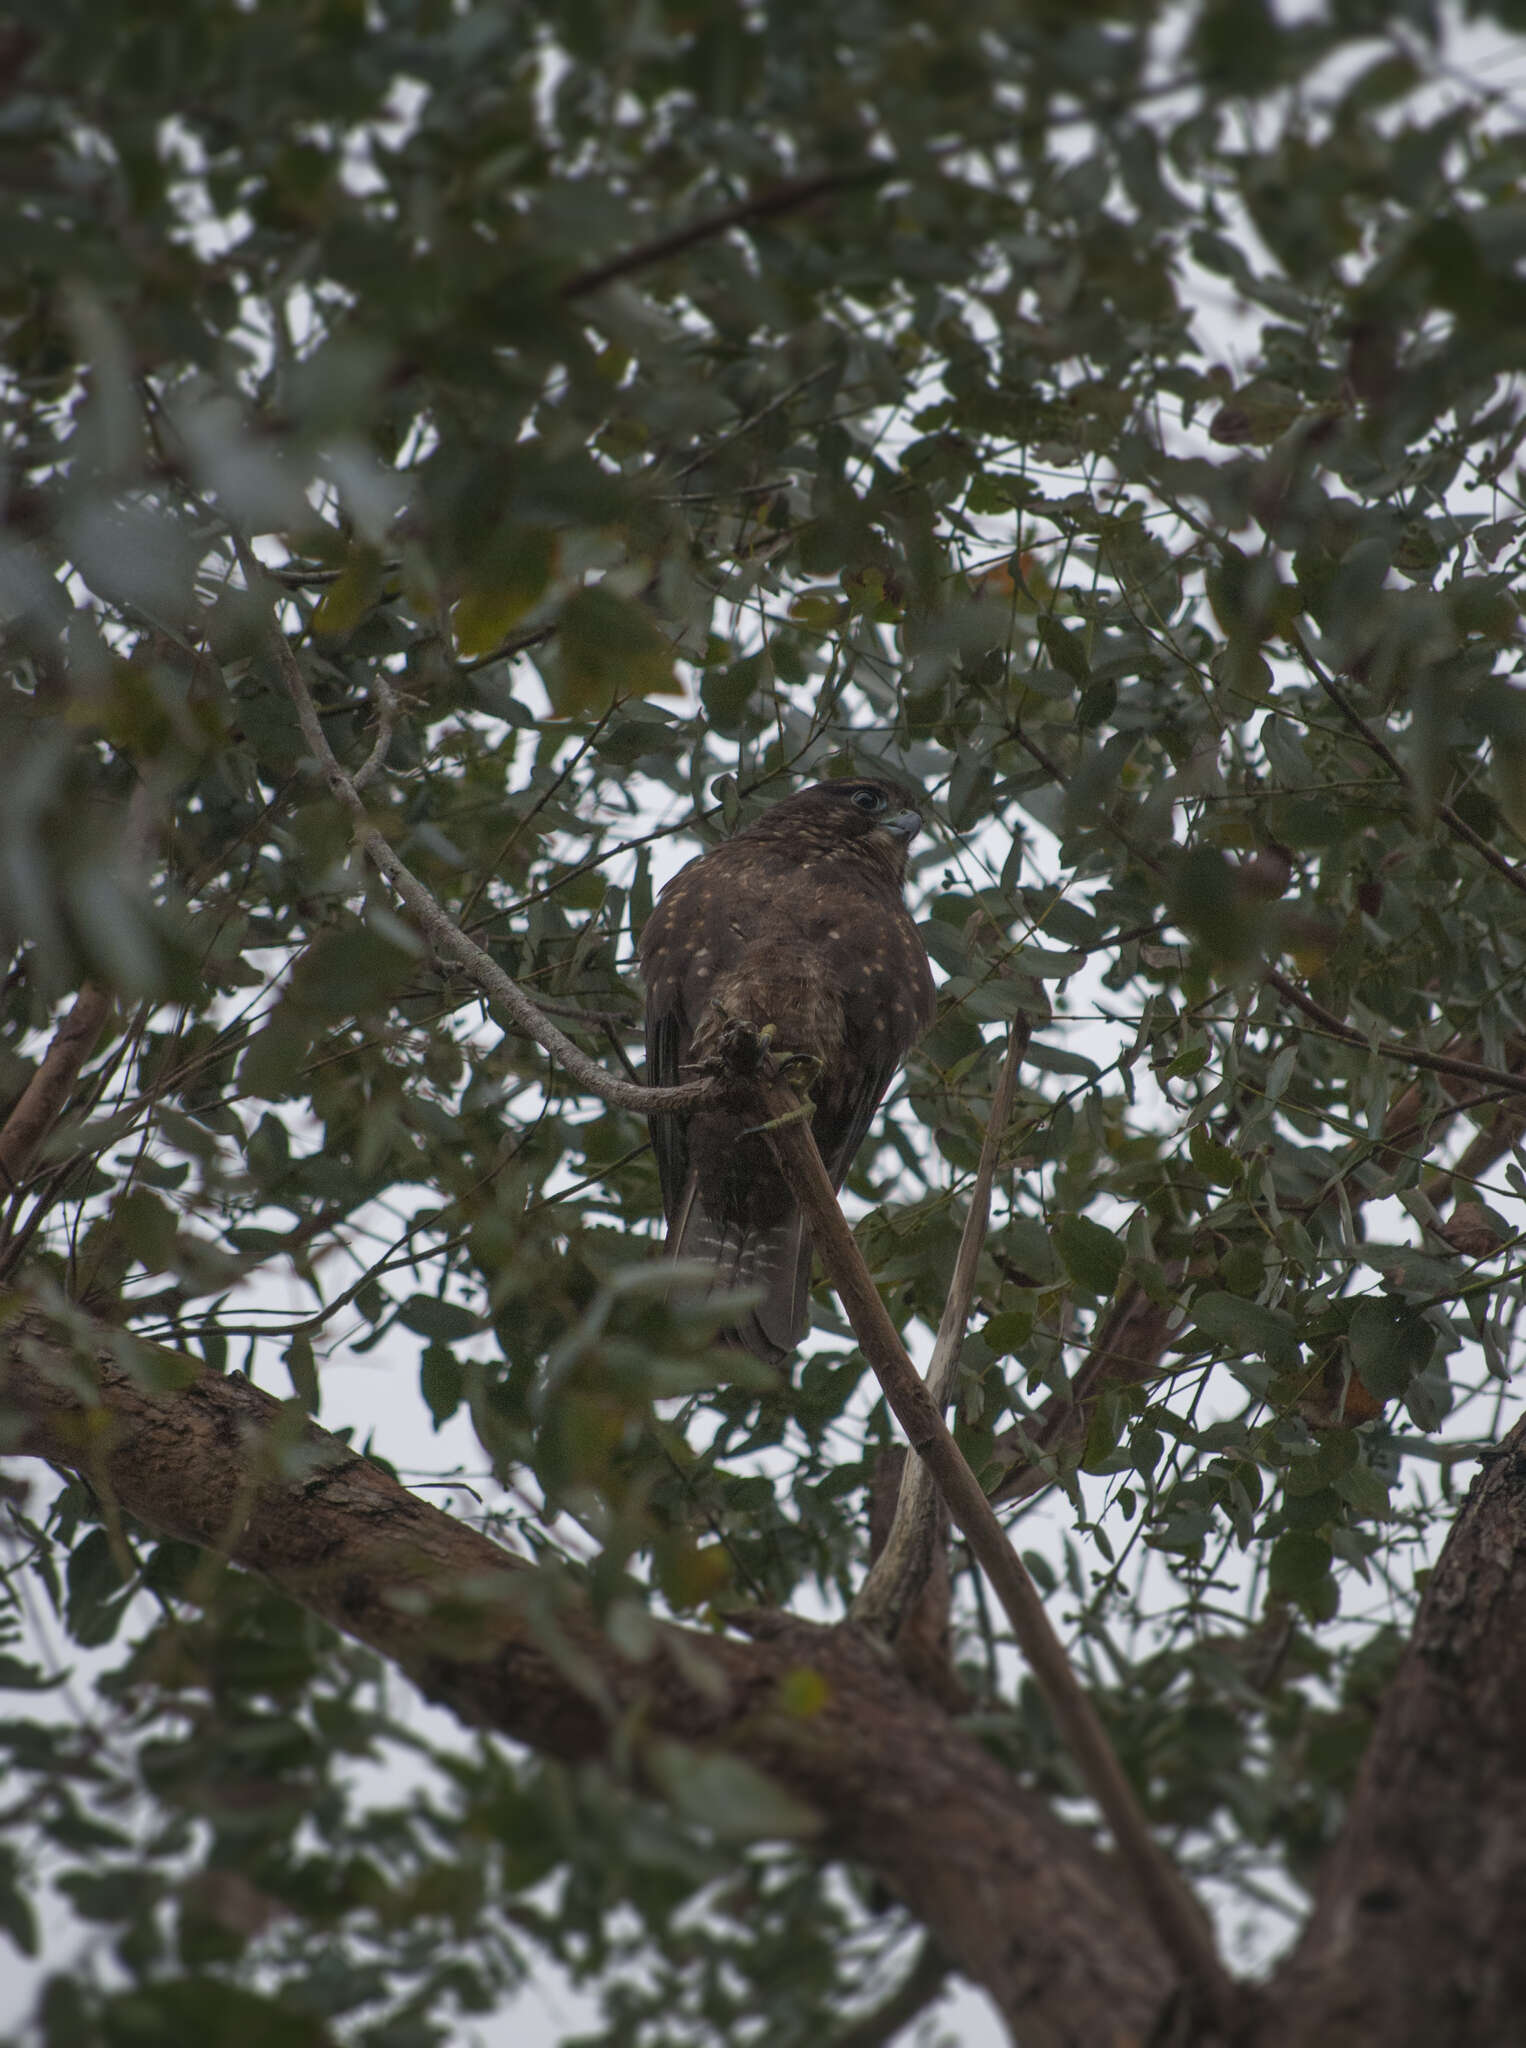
(775, 199)
(1393, 1048)
(923, 1982)
(386, 718)
(1170, 1906)
(896, 1575)
(42, 1100)
(1455, 823)
(505, 995)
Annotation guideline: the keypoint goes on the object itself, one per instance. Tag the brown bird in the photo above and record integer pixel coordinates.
(797, 924)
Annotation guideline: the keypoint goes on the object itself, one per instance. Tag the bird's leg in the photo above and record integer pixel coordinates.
(784, 1070)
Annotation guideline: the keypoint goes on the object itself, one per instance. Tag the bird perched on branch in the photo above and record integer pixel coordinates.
(793, 933)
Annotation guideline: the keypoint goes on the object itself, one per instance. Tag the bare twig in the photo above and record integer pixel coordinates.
(1394, 1048)
(923, 1982)
(897, 1573)
(443, 933)
(787, 197)
(386, 718)
(1173, 1912)
(42, 1100)
(1455, 823)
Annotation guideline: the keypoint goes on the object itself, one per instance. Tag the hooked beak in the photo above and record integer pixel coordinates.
(905, 824)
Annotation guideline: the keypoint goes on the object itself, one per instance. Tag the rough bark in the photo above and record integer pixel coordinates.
(1418, 1933)
(1021, 1903)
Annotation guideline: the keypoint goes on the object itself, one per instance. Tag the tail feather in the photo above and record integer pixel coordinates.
(775, 1260)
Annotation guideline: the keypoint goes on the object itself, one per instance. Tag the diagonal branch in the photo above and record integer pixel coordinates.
(42, 1100)
(1394, 1049)
(787, 197)
(1169, 1905)
(1133, 1333)
(902, 1565)
(1455, 823)
(505, 995)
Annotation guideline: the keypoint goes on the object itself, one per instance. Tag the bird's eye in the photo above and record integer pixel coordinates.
(869, 799)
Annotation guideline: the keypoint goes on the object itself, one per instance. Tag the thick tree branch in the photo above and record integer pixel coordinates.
(1170, 1906)
(1416, 1934)
(1021, 1903)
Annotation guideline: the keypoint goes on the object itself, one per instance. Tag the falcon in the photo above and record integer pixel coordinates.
(796, 928)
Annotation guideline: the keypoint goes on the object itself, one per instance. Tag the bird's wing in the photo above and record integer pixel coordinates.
(902, 999)
(842, 1125)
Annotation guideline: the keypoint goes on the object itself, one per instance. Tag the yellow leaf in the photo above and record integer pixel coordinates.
(350, 596)
(608, 647)
(692, 1574)
(509, 578)
(803, 1692)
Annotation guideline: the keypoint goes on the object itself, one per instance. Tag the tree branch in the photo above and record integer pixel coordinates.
(42, 1101)
(1165, 1899)
(1131, 1336)
(1024, 1905)
(901, 1567)
(442, 932)
(1455, 823)
(787, 197)
(1393, 1048)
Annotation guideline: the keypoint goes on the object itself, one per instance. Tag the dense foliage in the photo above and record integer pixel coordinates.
(634, 409)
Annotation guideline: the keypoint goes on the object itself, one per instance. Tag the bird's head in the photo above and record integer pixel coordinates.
(867, 814)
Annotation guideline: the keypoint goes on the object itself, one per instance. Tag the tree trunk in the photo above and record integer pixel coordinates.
(1418, 1933)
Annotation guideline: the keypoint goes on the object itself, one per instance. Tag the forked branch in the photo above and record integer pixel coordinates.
(900, 1568)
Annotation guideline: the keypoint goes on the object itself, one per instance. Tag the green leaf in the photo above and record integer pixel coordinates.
(1215, 1162)
(1247, 1325)
(442, 1381)
(1066, 649)
(1299, 1570)
(16, 1916)
(350, 972)
(1391, 1345)
(302, 1367)
(1093, 1257)
(445, 1321)
(353, 593)
(730, 1797)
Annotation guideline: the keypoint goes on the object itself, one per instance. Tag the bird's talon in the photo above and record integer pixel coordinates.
(797, 1115)
(811, 1060)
